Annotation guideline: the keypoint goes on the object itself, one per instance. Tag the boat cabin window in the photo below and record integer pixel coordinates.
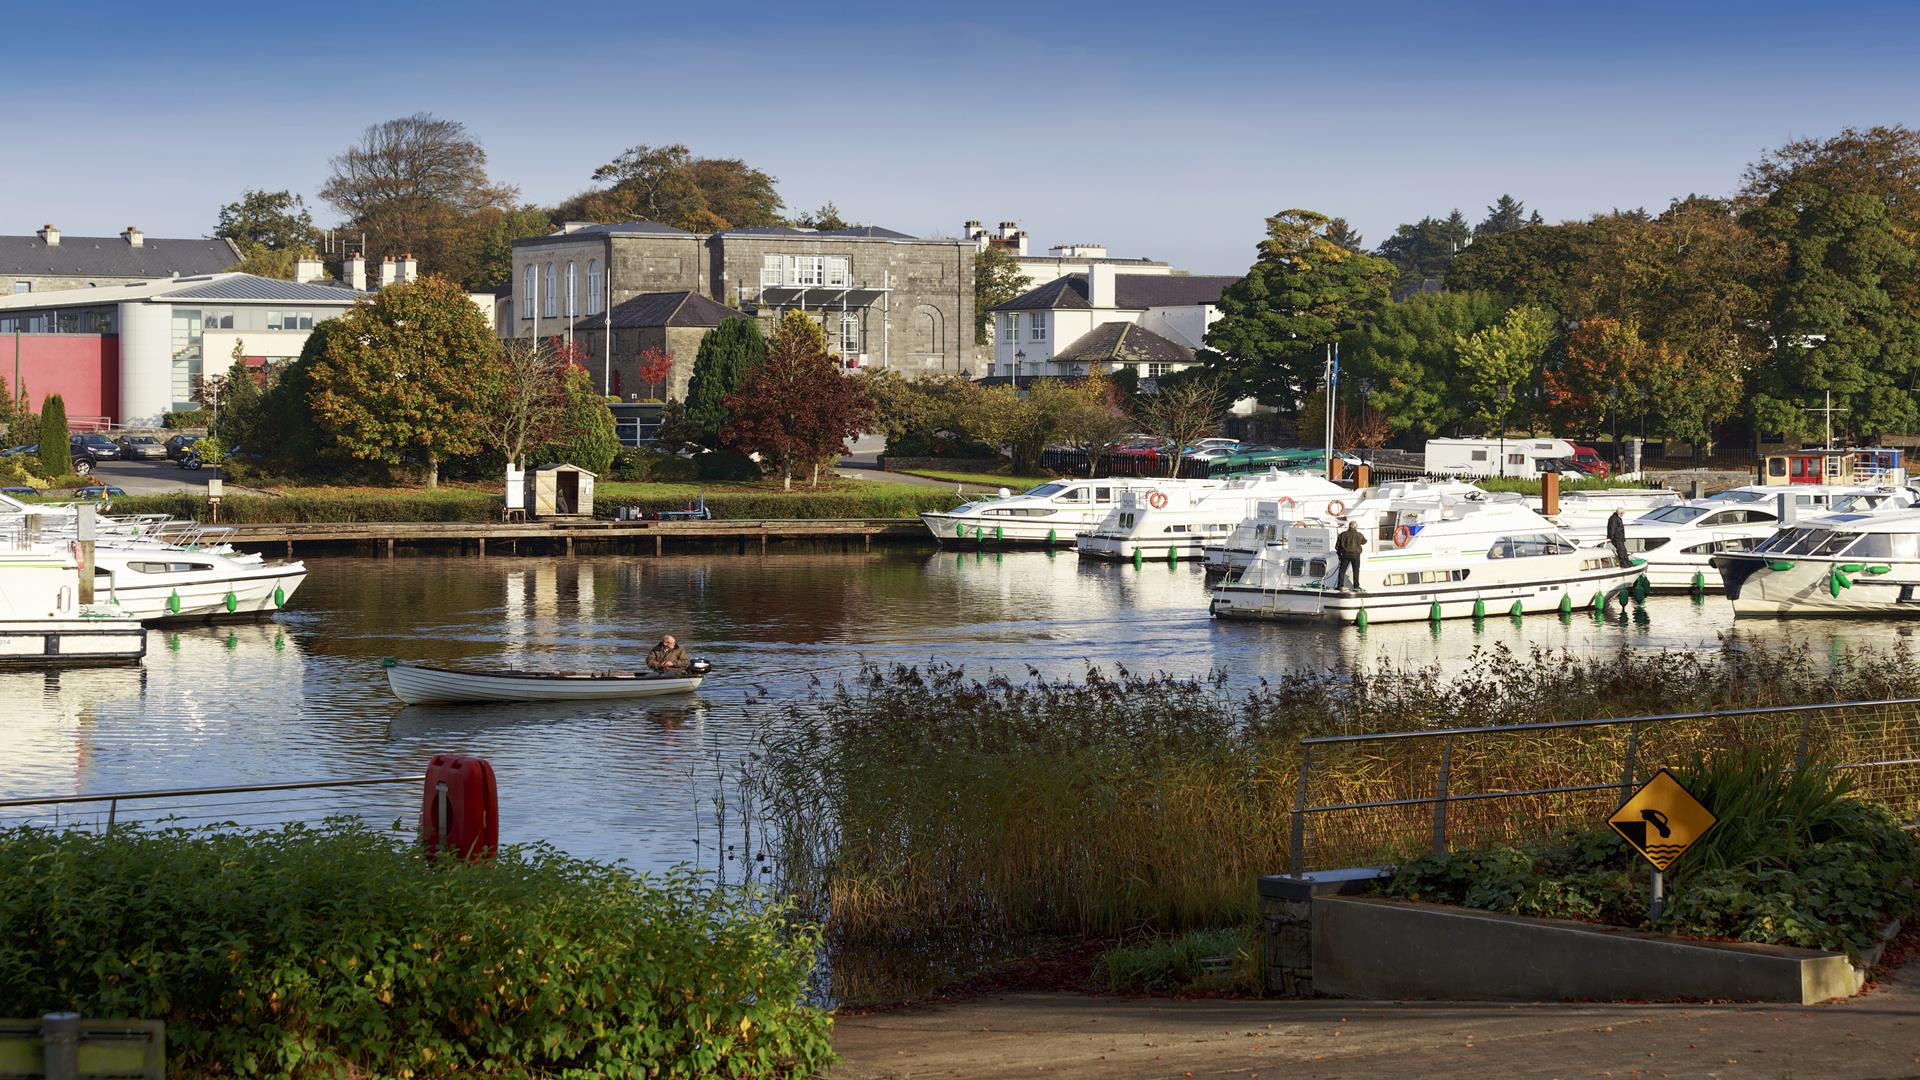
(1317, 568)
(1887, 546)
(1677, 514)
(1296, 567)
(167, 568)
(1835, 543)
(1127, 520)
(1104, 495)
(1426, 577)
(1528, 546)
(1804, 541)
(1045, 490)
(1780, 541)
(1646, 543)
(1078, 494)
(1599, 562)
(1716, 547)
(1019, 511)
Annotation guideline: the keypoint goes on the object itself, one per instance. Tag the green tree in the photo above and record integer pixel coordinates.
(827, 217)
(795, 408)
(1505, 215)
(1409, 355)
(899, 406)
(1498, 360)
(271, 229)
(1343, 234)
(1425, 248)
(996, 280)
(1547, 265)
(410, 370)
(56, 454)
(242, 403)
(1302, 293)
(726, 354)
(483, 257)
(585, 434)
(286, 410)
(669, 185)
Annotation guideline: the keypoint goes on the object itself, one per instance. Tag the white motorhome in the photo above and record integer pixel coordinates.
(1494, 457)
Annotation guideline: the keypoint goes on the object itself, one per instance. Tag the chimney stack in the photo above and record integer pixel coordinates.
(353, 270)
(1100, 285)
(307, 268)
(133, 236)
(51, 235)
(389, 271)
(409, 268)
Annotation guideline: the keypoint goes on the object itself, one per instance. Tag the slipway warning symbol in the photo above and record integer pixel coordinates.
(1662, 820)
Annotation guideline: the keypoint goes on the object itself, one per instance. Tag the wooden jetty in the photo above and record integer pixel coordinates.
(562, 536)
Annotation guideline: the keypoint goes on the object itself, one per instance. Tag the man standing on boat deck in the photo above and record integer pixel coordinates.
(1348, 548)
(1617, 536)
(668, 658)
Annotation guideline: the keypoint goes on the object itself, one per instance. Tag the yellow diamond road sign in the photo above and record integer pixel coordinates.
(1662, 820)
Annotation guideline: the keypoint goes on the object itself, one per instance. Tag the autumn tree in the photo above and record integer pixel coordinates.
(671, 186)
(656, 367)
(1096, 422)
(530, 407)
(585, 435)
(899, 404)
(1343, 234)
(1498, 360)
(795, 408)
(726, 354)
(409, 370)
(1302, 293)
(271, 229)
(1183, 410)
(996, 280)
(412, 185)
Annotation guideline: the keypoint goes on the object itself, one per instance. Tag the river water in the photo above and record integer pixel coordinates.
(303, 697)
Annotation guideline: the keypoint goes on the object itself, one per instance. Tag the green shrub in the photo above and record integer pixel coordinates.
(638, 465)
(881, 501)
(591, 442)
(337, 951)
(726, 465)
(192, 418)
(56, 454)
(1176, 964)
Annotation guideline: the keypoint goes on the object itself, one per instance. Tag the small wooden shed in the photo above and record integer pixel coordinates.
(560, 491)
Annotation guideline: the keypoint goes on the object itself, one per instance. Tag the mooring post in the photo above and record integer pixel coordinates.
(763, 542)
(657, 544)
(60, 1042)
(289, 549)
(483, 547)
(569, 545)
(389, 547)
(1297, 850)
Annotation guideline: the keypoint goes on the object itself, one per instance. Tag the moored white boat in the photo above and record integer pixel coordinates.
(1433, 552)
(1053, 513)
(432, 684)
(173, 584)
(1180, 524)
(44, 625)
(1677, 543)
(1583, 514)
(1833, 564)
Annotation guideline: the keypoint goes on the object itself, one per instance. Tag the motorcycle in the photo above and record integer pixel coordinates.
(190, 460)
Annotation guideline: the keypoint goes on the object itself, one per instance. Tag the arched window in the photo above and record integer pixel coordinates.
(573, 290)
(594, 287)
(550, 304)
(527, 292)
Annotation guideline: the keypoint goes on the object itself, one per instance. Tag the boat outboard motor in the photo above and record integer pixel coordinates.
(698, 666)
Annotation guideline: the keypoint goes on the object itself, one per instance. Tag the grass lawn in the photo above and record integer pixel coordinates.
(985, 480)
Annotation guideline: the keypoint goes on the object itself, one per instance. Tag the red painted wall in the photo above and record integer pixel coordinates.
(84, 369)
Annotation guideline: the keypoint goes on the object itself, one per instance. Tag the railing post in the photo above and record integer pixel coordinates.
(1440, 797)
(60, 1045)
(1296, 854)
(1633, 747)
(113, 810)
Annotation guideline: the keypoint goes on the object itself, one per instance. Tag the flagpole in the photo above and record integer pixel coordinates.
(606, 310)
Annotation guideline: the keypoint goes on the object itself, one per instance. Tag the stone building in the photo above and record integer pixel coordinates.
(49, 262)
(884, 298)
(673, 322)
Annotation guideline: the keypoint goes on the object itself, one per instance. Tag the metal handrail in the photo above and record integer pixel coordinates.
(1544, 725)
(170, 793)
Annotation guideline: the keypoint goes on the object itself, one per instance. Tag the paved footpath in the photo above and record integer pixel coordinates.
(1062, 1035)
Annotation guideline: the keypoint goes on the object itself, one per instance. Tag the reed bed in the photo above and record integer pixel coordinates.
(909, 805)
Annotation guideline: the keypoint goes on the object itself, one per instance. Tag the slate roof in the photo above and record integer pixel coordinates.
(618, 228)
(1140, 291)
(113, 257)
(1062, 292)
(251, 287)
(225, 287)
(870, 231)
(1123, 343)
(683, 308)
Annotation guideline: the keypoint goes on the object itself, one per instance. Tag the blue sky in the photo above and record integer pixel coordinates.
(1164, 130)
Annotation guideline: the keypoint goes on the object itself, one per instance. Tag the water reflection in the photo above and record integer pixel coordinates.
(304, 697)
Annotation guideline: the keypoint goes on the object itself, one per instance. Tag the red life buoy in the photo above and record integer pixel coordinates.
(1286, 502)
(1402, 536)
(1157, 500)
(1337, 508)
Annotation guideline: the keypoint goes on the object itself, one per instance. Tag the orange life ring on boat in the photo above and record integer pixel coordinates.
(1286, 502)
(1157, 500)
(1337, 508)
(1402, 536)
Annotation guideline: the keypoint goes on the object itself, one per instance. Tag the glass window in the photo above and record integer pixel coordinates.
(23, 286)
(849, 334)
(837, 270)
(273, 320)
(1103, 495)
(1478, 455)
(550, 304)
(1776, 466)
(770, 271)
(1039, 327)
(1808, 540)
(1836, 543)
(528, 293)
(594, 287)
(1044, 490)
(807, 270)
(1013, 328)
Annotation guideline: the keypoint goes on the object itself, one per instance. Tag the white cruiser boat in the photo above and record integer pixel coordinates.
(1271, 519)
(1053, 513)
(1584, 514)
(1179, 524)
(161, 583)
(1835, 564)
(1677, 543)
(44, 625)
(1431, 553)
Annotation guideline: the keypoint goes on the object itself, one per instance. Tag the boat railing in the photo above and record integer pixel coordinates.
(1371, 800)
(374, 800)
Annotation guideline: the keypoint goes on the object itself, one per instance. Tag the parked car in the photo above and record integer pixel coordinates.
(99, 491)
(1590, 461)
(1208, 449)
(178, 445)
(94, 443)
(18, 451)
(18, 491)
(84, 461)
(141, 448)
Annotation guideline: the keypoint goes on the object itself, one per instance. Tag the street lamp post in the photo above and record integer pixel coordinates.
(1505, 393)
(1019, 361)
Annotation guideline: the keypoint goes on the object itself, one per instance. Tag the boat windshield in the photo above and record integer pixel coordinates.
(1737, 495)
(1045, 490)
(1677, 514)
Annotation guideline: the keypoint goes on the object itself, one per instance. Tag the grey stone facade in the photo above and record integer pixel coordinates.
(904, 302)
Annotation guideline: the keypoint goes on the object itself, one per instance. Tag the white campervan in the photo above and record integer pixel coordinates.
(1494, 457)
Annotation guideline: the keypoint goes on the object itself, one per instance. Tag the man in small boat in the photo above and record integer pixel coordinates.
(668, 658)
(1348, 548)
(1617, 536)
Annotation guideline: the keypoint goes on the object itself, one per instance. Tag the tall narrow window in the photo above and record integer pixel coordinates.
(573, 290)
(528, 291)
(1038, 326)
(770, 271)
(806, 270)
(550, 304)
(837, 274)
(595, 290)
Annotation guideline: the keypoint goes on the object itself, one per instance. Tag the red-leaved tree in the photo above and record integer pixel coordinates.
(796, 408)
(656, 365)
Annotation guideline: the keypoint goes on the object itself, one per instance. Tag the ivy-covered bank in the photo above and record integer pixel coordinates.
(338, 951)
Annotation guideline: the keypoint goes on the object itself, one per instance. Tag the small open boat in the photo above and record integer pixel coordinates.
(427, 684)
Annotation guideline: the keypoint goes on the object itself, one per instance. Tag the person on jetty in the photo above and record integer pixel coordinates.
(1348, 548)
(668, 658)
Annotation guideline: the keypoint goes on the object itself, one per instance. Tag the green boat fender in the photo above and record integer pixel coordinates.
(173, 602)
(1361, 620)
(388, 661)
(1779, 565)
(1641, 587)
(1479, 608)
(1051, 537)
(1139, 559)
(1566, 603)
(233, 602)
(1173, 555)
(999, 533)
(1434, 613)
(1879, 569)
(279, 596)
(1837, 581)
(1599, 602)
(1517, 611)
(1699, 582)
(1851, 568)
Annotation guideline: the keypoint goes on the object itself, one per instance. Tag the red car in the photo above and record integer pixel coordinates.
(1590, 461)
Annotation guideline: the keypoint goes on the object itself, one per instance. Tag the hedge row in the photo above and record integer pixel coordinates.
(460, 504)
(341, 952)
